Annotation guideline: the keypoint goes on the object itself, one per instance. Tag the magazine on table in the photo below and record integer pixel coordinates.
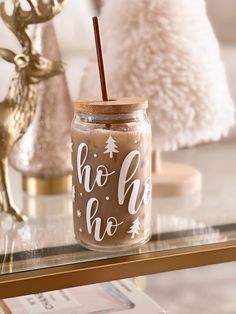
(116, 297)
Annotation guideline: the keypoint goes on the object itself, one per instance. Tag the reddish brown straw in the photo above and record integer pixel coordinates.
(100, 58)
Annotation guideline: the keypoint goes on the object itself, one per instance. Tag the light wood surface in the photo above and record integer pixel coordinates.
(173, 179)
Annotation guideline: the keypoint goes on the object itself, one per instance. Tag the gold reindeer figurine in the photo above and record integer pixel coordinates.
(18, 108)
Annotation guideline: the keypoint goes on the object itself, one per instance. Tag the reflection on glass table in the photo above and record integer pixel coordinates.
(47, 238)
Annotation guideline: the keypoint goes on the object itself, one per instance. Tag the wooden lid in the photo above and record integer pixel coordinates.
(118, 105)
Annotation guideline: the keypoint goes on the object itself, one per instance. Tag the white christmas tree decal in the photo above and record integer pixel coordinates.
(111, 147)
(134, 229)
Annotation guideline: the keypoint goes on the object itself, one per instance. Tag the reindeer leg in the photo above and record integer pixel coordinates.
(1, 194)
(1, 200)
(7, 202)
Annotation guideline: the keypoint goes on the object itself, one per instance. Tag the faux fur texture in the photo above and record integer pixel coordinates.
(166, 51)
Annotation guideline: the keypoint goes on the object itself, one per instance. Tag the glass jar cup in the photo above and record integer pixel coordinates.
(111, 157)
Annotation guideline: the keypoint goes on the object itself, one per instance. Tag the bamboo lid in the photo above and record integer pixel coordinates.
(113, 106)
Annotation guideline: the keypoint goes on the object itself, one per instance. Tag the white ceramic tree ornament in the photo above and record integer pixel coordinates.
(167, 52)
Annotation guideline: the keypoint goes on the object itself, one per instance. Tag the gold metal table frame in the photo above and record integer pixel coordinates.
(115, 268)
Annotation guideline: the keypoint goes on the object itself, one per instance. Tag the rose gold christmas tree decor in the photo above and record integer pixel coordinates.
(43, 153)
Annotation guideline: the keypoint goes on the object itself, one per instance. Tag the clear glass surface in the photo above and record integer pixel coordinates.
(47, 238)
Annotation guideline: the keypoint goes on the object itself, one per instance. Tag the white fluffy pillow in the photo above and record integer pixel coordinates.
(165, 50)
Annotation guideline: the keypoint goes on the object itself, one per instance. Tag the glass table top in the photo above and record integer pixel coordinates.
(207, 217)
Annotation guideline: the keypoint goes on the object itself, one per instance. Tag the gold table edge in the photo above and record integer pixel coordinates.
(67, 276)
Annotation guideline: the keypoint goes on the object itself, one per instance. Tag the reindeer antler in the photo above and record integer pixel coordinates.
(40, 12)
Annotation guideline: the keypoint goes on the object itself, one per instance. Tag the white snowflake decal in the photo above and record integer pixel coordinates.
(79, 214)
(73, 193)
(70, 145)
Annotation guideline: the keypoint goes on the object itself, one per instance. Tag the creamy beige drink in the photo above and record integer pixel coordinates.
(112, 179)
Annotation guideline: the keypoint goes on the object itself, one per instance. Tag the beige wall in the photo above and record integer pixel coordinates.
(222, 14)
